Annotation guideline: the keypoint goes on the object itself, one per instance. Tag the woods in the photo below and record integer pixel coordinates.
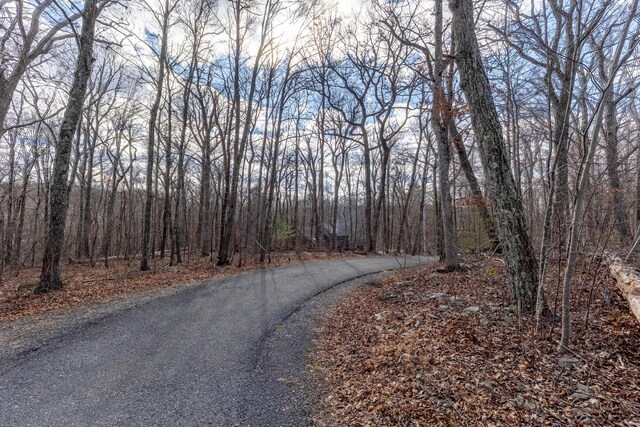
(162, 131)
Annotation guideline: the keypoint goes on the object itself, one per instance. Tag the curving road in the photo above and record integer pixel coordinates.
(193, 358)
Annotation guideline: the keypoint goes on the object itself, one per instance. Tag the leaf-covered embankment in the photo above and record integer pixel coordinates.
(425, 348)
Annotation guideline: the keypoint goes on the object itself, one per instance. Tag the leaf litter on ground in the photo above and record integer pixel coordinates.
(426, 348)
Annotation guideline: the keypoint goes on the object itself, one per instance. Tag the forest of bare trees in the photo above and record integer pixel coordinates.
(172, 130)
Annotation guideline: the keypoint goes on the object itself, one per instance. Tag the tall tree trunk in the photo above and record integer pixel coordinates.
(205, 197)
(439, 233)
(514, 236)
(621, 219)
(368, 193)
(561, 139)
(438, 119)
(382, 193)
(22, 211)
(403, 242)
(153, 118)
(232, 177)
(50, 278)
(228, 226)
(9, 226)
(167, 233)
(177, 230)
(88, 188)
(111, 201)
(273, 174)
(637, 185)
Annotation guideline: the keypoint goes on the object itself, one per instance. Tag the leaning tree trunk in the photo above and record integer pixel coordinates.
(512, 228)
(474, 186)
(59, 202)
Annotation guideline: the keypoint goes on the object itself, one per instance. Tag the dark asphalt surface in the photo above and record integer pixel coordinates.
(209, 355)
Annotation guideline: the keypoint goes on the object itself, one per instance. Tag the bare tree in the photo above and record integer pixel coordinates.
(163, 20)
(50, 278)
(25, 38)
(623, 50)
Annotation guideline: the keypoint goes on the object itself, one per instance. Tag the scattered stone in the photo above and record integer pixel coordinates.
(520, 400)
(379, 316)
(404, 356)
(443, 308)
(472, 309)
(579, 396)
(388, 295)
(567, 362)
(437, 295)
(436, 400)
(593, 402)
(583, 388)
(489, 385)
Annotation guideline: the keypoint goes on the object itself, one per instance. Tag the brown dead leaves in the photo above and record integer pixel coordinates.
(423, 348)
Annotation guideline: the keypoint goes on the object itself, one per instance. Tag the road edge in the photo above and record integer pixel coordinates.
(294, 339)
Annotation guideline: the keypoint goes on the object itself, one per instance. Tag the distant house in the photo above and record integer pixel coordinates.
(342, 237)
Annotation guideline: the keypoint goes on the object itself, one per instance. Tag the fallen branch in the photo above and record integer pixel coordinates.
(628, 281)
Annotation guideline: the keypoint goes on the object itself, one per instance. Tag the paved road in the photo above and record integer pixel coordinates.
(193, 358)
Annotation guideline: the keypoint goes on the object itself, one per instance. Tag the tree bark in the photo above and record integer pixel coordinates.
(474, 185)
(153, 117)
(50, 278)
(512, 227)
(438, 119)
(621, 219)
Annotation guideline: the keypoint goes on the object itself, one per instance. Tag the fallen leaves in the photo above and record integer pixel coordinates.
(423, 348)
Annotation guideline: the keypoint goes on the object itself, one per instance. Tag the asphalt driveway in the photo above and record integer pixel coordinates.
(193, 358)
